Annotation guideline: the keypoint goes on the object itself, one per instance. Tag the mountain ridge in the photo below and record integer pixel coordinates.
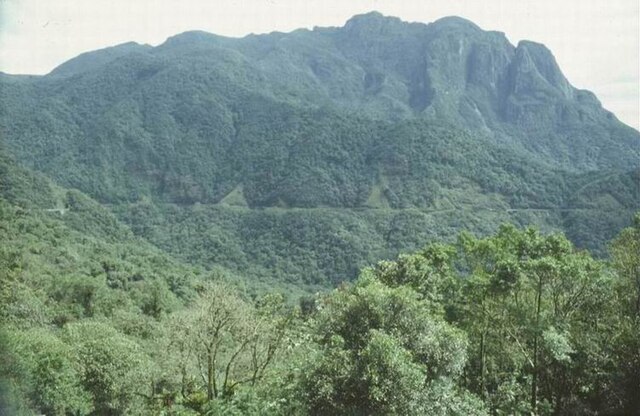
(365, 19)
(379, 115)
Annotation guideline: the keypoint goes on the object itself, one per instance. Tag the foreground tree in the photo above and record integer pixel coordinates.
(113, 368)
(625, 342)
(625, 256)
(223, 342)
(535, 311)
(382, 351)
(48, 368)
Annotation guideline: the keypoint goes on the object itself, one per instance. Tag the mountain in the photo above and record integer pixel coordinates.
(277, 149)
(150, 196)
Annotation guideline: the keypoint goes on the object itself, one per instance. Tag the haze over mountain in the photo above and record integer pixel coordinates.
(377, 118)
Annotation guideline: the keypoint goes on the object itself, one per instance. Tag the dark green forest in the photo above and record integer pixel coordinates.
(99, 321)
(271, 155)
(384, 218)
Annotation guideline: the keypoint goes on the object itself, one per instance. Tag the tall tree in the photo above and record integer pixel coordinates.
(227, 341)
(382, 350)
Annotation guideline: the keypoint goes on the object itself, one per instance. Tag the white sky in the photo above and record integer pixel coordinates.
(596, 42)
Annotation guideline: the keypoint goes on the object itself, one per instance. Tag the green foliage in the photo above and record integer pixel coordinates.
(49, 373)
(429, 272)
(626, 262)
(380, 351)
(333, 118)
(624, 251)
(295, 161)
(537, 319)
(513, 323)
(113, 369)
(58, 271)
(313, 248)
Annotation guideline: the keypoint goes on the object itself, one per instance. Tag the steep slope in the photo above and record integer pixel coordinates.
(359, 124)
(182, 121)
(54, 235)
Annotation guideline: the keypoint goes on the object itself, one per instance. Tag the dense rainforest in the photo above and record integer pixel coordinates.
(99, 321)
(384, 218)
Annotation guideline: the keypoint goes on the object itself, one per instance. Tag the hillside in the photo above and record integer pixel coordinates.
(97, 321)
(361, 124)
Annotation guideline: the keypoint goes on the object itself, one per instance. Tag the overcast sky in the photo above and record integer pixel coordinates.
(596, 42)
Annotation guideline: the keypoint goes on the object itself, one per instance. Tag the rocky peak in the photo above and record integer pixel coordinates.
(454, 23)
(369, 21)
(535, 69)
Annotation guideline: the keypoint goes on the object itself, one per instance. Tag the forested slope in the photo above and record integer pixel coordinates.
(314, 118)
(97, 321)
(213, 147)
(167, 212)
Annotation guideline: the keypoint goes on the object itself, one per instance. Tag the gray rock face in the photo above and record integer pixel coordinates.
(452, 69)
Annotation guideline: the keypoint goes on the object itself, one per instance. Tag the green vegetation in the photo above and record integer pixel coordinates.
(211, 148)
(221, 226)
(320, 247)
(517, 322)
(98, 321)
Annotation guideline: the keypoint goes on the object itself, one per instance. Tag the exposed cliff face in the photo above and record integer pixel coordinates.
(451, 69)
